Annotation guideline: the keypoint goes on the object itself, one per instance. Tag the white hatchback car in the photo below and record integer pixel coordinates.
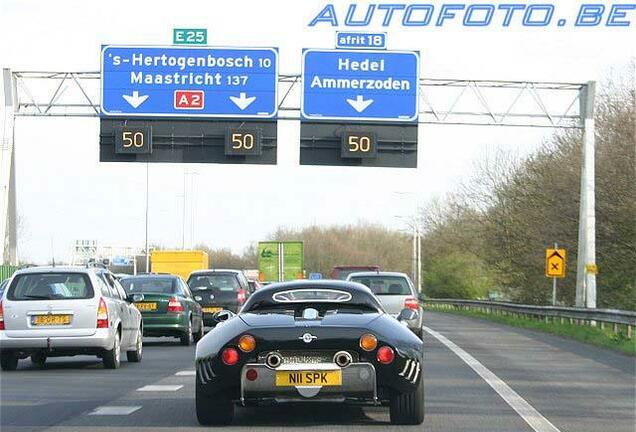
(67, 311)
(395, 292)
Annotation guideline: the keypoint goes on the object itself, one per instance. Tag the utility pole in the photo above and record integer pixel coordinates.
(147, 202)
(419, 284)
(414, 261)
(586, 259)
(183, 220)
(8, 212)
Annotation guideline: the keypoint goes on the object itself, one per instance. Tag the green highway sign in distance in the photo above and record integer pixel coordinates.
(268, 262)
(280, 261)
(189, 36)
(293, 260)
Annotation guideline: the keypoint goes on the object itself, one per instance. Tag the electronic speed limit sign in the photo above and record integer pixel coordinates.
(133, 140)
(358, 145)
(243, 142)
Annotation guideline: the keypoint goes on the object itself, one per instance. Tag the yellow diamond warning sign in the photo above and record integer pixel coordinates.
(555, 262)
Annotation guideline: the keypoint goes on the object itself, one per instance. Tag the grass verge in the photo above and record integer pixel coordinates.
(592, 335)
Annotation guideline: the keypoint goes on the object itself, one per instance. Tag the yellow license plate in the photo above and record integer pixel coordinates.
(308, 378)
(146, 306)
(46, 320)
(211, 309)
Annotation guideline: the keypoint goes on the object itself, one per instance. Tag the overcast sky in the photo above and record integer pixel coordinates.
(65, 194)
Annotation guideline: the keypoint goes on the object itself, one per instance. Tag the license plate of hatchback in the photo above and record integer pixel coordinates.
(50, 320)
(211, 309)
(308, 378)
(146, 306)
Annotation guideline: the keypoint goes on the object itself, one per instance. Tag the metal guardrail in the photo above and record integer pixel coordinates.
(614, 317)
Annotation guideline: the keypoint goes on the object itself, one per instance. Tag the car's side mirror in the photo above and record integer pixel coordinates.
(222, 315)
(135, 298)
(408, 315)
(421, 297)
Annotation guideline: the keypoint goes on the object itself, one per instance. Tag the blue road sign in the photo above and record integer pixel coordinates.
(181, 81)
(315, 276)
(360, 85)
(121, 261)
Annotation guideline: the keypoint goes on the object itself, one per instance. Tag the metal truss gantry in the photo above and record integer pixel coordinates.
(441, 101)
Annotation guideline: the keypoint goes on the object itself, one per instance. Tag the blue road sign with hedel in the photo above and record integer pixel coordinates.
(180, 81)
(360, 85)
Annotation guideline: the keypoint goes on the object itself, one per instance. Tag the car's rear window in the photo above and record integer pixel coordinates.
(50, 286)
(149, 285)
(214, 282)
(312, 295)
(385, 285)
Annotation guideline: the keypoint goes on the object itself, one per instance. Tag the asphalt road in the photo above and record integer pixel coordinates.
(494, 379)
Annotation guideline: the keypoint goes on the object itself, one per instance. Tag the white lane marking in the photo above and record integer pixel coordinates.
(114, 410)
(159, 388)
(512, 398)
(186, 373)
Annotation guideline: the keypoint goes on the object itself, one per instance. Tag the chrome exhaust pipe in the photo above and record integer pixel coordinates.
(342, 359)
(273, 360)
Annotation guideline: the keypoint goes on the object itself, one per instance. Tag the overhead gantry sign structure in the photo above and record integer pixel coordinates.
(501, 103)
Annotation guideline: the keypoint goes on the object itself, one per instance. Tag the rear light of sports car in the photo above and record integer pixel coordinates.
(1, 317)
(247, 343)
(368, 342)
(251, 374)
(102, 314)
(241, 296)
(385, 355)
(230, 356)
(174, 305)
(411, 303)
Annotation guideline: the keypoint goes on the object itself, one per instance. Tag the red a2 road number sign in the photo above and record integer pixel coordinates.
(189, 99)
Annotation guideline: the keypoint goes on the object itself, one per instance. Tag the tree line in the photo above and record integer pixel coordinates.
(495, 228)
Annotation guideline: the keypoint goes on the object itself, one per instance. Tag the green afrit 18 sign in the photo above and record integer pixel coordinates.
(189, 36)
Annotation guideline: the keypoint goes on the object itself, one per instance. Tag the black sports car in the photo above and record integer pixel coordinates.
(304, 341)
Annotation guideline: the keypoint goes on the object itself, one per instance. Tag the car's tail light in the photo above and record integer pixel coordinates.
(1, 317)
(174, 305)
(411, 303)
(368, 342)
(230, 356)
(251, 374)
(240, 296)
(102, 314)
(385, 355)
(247, 343)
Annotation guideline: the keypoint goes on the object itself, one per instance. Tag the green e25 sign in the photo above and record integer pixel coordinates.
(189, 36)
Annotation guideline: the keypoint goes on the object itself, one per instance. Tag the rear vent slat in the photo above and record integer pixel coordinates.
(407, 364)
(206, 373)
(417, 373)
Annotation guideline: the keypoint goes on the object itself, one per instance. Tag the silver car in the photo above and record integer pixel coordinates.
(395, 291)
(67, 311)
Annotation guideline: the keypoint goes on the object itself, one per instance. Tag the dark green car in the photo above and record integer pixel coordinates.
(167, 308)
